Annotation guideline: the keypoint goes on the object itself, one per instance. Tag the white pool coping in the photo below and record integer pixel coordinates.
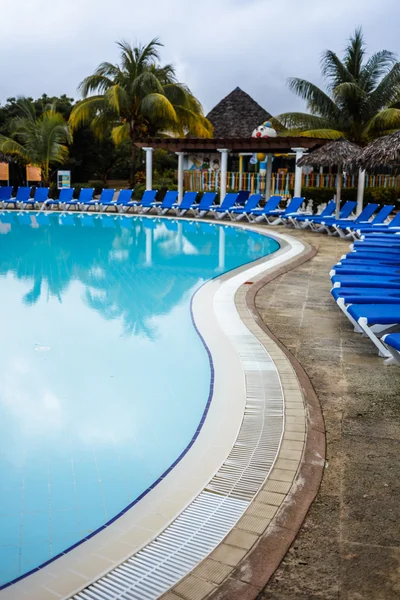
(219, 323)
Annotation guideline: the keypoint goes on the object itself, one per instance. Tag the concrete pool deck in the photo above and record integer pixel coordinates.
(348, 547)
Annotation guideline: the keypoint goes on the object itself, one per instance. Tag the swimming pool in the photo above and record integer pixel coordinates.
(104, 380)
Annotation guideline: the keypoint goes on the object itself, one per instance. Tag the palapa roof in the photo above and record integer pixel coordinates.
(237, 115)
(382, 152)
(339, 153)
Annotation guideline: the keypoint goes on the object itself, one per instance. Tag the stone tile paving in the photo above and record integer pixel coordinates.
(349, 546)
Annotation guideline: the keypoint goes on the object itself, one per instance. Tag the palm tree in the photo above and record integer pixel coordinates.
(362, 99)
(41, 140)
(138, 98)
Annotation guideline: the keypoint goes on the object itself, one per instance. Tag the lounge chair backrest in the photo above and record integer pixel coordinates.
(367, 213)
(148, 197)
(243, 196)
(66, 194)
(5, 192)
(294, 205)
(347, 209)
(395, 222)
(383, 214)
(107, 195)
(169, 199)
(229, 201)
(23, 194)
(329, 209)
(252, 202)
(207, 200)
(272, 203)
(188, 199)
(86, 194)
(41, 194)
(124, 196)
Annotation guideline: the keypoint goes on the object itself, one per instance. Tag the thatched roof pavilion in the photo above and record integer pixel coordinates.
(237, 115)
(382, 152)
(339, 153)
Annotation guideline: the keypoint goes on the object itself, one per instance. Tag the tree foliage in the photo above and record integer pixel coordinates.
(138, 98)
(37, 139)
(361, 100)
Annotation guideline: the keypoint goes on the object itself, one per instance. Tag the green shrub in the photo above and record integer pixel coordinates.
(97, 184)
(380, 195)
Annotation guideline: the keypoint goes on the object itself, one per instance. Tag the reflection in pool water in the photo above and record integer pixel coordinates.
(103, 378)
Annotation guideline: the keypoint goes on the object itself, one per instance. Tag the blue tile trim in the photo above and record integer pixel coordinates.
(183, 453)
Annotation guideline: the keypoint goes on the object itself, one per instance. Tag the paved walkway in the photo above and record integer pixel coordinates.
(349, 545)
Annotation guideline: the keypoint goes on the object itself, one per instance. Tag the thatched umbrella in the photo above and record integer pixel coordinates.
(382, 152)
(339, 153)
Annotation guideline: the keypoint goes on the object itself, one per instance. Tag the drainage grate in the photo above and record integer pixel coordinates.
(209, 518)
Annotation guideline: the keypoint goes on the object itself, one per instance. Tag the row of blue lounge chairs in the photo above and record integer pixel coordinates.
(123, 203)
(366, 286)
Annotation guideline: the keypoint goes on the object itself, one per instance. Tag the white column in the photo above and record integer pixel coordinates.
(224, 173)
(149, 168)
(360, 191)
(180, 175)
(298, 171)
(268, 177)
(221, 249)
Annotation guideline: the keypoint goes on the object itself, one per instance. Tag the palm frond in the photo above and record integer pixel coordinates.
(299, 121)
(375, 68)
(328, 134)
(386, 92)
(11, 147)
(317, 101)
(333, 69)
(93, 83)
(85, 110)
(120, 133)
(156, 106)
(354, 54)
(117, 98)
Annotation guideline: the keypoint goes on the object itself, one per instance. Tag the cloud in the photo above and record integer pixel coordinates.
(214, 44)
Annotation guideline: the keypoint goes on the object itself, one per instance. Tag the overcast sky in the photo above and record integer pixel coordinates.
(49, 46)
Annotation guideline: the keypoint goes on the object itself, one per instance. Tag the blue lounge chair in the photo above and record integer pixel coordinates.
(269, 207)
(340, 226)
(85, 196)
(189, 198)
(358, 295)
(220, 211)
(274, 217)
(373, 320)
(64, 196)
(389, 228)
(124, 198)
(392, 342)
(23, 195)
(238, 212)
(5, 194)
(357, 280)
(379, 219)
(317, 223)
(201, 209)
(302, 220)
(146, 201)
(106, 197)
(41, 196)
(166, 205)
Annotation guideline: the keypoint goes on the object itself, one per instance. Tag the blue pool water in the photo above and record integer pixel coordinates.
(103, 377)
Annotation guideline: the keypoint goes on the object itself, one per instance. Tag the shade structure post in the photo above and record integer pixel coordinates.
(338, 191)
(149, 168)
(298, 171)
(224, 172)
(181, 156)
(360, 191)
(268, 176)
